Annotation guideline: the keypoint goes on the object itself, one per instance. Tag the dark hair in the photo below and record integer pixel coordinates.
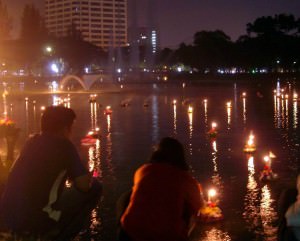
(171, 151)
(56, 118)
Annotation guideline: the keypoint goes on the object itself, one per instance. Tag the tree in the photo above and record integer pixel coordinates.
(32, 24)
(280, 24)
(5, 22)
(213, 48)
(286, 23)
(261, 26)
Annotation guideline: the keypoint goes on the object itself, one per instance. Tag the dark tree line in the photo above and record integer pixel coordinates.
(270, 42)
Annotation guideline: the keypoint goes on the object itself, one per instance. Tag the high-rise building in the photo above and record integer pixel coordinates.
(100, 22)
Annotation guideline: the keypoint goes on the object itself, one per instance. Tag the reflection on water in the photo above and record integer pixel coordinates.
(155, 119)
(268, 215)
(244, 110)
(251, 210)
(215, 234)
(216, 178)
(295, 114)
(190, 114)
(94, 115)
(286, 116)
(262, 215)
(205, 112)
(175, 118)
(26, 117)
(108, 148)
(128, 134)
(228, 105)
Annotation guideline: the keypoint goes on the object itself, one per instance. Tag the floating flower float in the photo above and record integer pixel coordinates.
(267, 173)
(8, 128)
(212, 133)
(211, 212)
(93, 98)
(125, 103)
(250, 145)
(90, 138)
(108, 110)
(10, 133)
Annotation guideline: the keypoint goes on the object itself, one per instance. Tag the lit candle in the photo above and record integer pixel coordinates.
(190, 109)
(213, 125)
(211, 194)
(295, 96)
(267, 161)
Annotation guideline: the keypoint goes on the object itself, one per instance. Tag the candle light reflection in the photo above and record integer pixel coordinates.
(190, 114)
(251, 212)
(215, 234)
(268, 214)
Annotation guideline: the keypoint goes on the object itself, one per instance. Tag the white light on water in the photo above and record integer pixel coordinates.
(54, 86)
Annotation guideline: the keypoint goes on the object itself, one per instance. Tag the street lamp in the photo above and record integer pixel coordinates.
(49, 49)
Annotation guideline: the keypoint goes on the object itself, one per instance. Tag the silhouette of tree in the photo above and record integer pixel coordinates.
(212, 48)
(32, 24)
(286, 23)
(5, 22)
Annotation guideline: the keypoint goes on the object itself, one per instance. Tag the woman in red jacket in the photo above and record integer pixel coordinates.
(164, 197)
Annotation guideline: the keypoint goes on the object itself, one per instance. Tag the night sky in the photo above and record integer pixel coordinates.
(178, 20)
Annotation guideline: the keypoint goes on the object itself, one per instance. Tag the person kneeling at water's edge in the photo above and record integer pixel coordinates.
(35, 200)
(164, 198)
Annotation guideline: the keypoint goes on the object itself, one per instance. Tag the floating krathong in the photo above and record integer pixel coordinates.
(250, 145)
(108, 110)
(267, 173)
(90, 138)
(93, 98)
(211, 212)
(212, 133)
(125, 103)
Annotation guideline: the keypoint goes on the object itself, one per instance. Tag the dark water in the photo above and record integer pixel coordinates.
(129, 134)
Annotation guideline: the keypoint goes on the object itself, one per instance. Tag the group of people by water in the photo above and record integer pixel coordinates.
(163, 204)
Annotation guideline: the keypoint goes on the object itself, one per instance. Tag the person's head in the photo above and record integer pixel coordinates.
(171, 151)
(57, 120)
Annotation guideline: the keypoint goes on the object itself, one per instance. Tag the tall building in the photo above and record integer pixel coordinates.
(100, 22)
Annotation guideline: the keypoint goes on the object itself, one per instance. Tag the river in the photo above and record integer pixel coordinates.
(129, 134)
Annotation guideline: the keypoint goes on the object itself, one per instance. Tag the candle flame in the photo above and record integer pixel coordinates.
(212, 192)
(266, 158)
(214, 125)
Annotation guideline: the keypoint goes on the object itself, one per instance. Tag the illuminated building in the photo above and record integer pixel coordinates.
(100, 22)
(144, 41)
